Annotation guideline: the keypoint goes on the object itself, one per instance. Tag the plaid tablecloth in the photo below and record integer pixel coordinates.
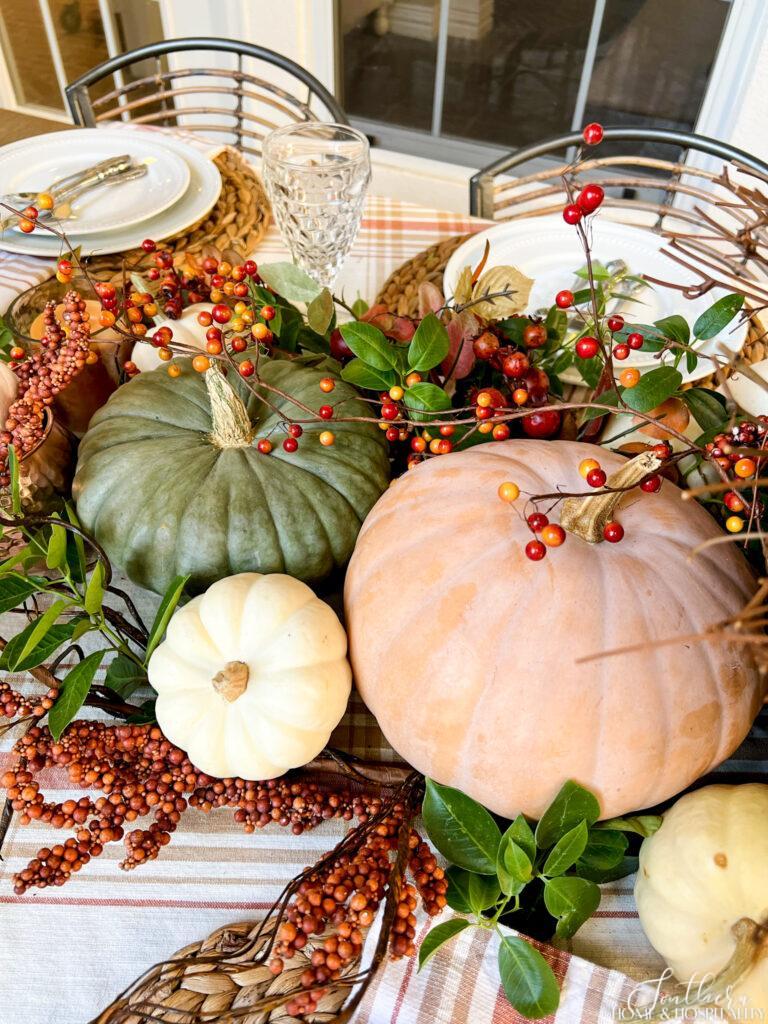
(66, 952)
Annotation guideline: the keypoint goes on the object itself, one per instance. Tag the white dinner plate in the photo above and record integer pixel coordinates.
(198, 199)
(547, 250)
(31, 165)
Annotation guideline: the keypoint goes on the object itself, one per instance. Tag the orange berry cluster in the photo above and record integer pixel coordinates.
(344, 900)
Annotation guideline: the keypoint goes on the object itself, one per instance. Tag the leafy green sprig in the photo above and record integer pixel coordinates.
(493, 874)
(59, 579)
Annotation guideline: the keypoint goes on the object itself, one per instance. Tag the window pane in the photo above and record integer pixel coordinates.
(26, 52)
(80, 35)
(654, 61)
(517, 81)
(513, 67)
(389, 54)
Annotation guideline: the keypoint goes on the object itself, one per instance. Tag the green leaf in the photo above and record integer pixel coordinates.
(94, 592)
(425, 398)
(369, 344)
(556, 323)
(54, 638)
(362, 376)
(607, 398)
(707, 407)
(457, 893)
(290, 281)
(38, 630)
(56, 556)
(675, 328)
(567, 850)
(359, 307)
(164, 612)
(124, 676)
(605, 849)
(521, 833)
(641, 824)
(713, 320)
(438, 936)
(572, 804)
(483, 892)
(571, 900)
(76, 559)
(320, 312)
(527, 979)
(626, 866)
(74, 690)
(82, 626)
(513, 866)
(462, 830)
(469, 893)
(13, 471)
(653, 388)
(144, 713)
(429, 345)
(15, 589)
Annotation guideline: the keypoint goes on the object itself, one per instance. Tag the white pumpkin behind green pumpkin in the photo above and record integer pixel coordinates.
(703, 871)
(252, 676)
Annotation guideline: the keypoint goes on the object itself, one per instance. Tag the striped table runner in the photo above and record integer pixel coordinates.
(66, 952)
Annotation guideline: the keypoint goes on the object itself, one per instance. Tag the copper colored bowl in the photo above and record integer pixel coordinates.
(45, 476)
(95, 383)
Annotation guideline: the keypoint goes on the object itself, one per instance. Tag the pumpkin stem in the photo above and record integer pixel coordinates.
(232, 427)
(588, 517)
(751, 947)
(232, 681)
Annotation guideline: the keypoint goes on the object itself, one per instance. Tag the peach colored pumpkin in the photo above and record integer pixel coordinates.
(466, 651)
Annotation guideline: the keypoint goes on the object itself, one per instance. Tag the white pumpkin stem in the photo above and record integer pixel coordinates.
(232, 681)
(751, 947)
(232, 427)
(587, 517)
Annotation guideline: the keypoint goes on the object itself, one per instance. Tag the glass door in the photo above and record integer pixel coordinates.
(45, 44)
(469, 80)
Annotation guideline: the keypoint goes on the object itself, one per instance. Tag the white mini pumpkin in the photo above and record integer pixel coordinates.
(704, 872)
(186, 331)
(252, 676)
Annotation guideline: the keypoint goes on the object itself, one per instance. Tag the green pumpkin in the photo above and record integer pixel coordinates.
(169, 479)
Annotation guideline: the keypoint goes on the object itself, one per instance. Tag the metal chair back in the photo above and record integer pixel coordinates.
(238, 105)
(497, 196)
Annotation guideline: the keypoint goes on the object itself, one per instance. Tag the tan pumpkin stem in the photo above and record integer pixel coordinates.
(751, 946)
(232, 427)
(232, 681)
(588, 517)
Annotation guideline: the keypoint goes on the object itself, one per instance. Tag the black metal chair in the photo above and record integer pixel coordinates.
(222, 101)
(511, 196)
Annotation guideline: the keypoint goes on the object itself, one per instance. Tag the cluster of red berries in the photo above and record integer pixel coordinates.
(591, 196)
(344, 899)
(64, 350)
(552, 535)
(545, 534)
(726, 450)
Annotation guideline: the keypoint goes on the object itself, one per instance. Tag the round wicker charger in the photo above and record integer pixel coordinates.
(238, 220)
(400, 294)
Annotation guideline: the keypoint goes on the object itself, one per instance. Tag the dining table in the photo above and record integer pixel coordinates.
(66, 953)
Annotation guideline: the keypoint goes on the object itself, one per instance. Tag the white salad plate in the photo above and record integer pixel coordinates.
(190, 206)
(31, 165)
(547, 250)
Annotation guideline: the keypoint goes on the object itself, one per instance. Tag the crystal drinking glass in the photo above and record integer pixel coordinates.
(316, 175)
